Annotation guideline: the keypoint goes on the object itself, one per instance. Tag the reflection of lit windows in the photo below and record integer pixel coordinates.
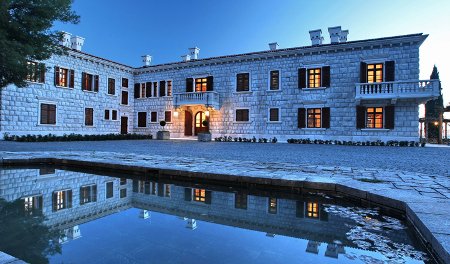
(154, 188)
(88, 194)
(374, 117)
(167, 187)
(123, 181)
(240, 200)
(200, 195)
(32, 205)
(109, 189)
(312, 210)
(273, 205)
(62, 200)
(374, 72)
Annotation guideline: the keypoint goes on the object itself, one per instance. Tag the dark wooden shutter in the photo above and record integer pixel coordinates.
(208, 197)
(300, 209)
(301, 118)
(326, 117)
(83, 81)
(187, 194)
(363, 73)
(71, 78)
(51, 114)
(56, 75)
(209, 83)
(54, 201)
(136, 90)
(326, 76)
(389, 119)
(69, 198)
(390, 71)
(323, 215)
(162, 88)
(302, 78)
(94, 193)
(148, 89)
(44, 113)
(96, 80)
(360, 117)
(135, 186)
(160, 189)
(41, 72)
(189, 85)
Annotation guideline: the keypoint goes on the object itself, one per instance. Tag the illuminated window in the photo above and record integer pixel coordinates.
(274, 80)
(35, 72)
(374, 117)
(240, 200)
(314, 117)
(33, 205)
(312, 210)
(200, 195)
(111, 86)
(201, 85)
(88, 194)
(62, 200)
(243, 82)
(314, 76)
(169, 88)
(273, 205)
(374, 73)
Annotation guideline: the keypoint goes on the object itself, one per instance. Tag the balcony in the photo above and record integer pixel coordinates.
(422, 89)
(197, 98)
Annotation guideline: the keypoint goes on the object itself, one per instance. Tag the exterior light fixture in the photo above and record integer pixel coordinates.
(436, 123)
(175, 113)
(207, 112)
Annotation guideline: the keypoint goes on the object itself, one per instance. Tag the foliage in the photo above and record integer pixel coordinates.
(25, 236)
(25, 34)
(242, 139)
(205, 123)
(74, 137)
(390, 143)
(162, 123)
(434, 107)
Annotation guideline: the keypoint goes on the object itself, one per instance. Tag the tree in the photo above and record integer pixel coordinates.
(434, 107)
(26, 35)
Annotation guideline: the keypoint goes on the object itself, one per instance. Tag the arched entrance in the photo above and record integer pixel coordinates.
(198, 122)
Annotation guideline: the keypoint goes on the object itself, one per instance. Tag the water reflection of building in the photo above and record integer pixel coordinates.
(69, 199)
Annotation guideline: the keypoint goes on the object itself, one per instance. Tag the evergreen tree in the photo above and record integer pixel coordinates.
(434, 107)
(26, 35)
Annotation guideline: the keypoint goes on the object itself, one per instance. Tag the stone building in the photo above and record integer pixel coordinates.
(343, 90)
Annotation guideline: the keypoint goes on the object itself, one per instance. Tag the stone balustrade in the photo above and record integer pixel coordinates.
(197, 98)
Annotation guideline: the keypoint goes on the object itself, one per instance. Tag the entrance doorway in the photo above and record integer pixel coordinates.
(187, 123)
(124, 125)
(199, 127)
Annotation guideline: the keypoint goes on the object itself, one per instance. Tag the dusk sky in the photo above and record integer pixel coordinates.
(123, 31)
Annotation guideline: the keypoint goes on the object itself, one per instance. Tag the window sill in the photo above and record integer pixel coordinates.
(64, 87)
(375, 130)
(86, 91)
(88, 126)
(124, 105)
(314, 89)
(241, 122)
(31, 82)
(243, 92)
(277, 90)
(314, 129)
(115, 95)
(273, 122)
(50, 125)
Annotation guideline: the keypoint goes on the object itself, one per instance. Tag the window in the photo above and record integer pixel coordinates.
(201, 85)
(312, 210)
(123, 181)
(89, 116)
(142, 119)
(167, 190)
(274, 114)
(124, 98)
(240, 200)
(107, 114)
(114, 114)
(374, 118)
(48, 114)
(375, 72)
(124, 82)
(109, 189)
(143, 90)
(123, 193)
(314, 117)
(314, 78)
(111, 86)
(89, 82)
(32, 205)
(155, 89)
(274, 80)
(138, 186)
(242, 115)
(200, 195)
(272, 205)
(62, 200)
(154, 188)
(242, 82)
(153, 117)
(88, 194)
(35, 72)
(162, 88)
(64, 77)
(168, 116)
(47, 170)
(169, 88)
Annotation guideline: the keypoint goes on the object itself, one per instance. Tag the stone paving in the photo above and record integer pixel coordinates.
(425, 195)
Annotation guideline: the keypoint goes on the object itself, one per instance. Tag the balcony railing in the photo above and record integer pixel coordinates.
(422, 89)
(197, 98)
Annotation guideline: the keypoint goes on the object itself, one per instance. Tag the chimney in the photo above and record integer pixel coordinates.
(343, 37)
(335, 34)
(316, 37)
(65, 41)
(147, 60)
(186, 57)
(194, 52)
(273, 45)
(77, 42)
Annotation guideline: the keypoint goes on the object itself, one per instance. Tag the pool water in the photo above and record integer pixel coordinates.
(62, 216)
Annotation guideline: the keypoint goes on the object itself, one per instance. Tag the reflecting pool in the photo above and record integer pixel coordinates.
(57, 215)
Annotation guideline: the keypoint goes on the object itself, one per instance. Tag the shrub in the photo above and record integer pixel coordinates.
(74, 137)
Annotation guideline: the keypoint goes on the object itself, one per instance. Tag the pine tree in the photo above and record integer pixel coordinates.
(26, 35)
(434, 107)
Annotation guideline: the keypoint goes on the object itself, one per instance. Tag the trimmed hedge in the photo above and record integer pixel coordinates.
(390, 143)
(250, 140)
(74, 137)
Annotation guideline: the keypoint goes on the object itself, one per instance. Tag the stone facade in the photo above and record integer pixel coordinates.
(19, 106)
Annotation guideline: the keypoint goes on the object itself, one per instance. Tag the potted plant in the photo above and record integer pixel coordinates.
(163, 134)
(205, 136)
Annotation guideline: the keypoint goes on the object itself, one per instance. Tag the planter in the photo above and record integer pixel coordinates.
(163, 135)
(204, 137)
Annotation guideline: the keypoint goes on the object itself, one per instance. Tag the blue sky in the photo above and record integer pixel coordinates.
(124, 30)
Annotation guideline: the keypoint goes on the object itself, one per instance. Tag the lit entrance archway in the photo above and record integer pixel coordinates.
(198, 121)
